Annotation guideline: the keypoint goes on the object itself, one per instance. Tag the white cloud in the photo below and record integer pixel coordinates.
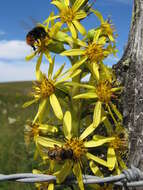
(21, 71)
(13, 50)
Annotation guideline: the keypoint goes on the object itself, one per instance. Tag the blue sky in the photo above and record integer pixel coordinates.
(15, 22)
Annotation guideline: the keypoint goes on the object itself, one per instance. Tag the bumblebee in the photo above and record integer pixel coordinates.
(59, 153)
(37, 33)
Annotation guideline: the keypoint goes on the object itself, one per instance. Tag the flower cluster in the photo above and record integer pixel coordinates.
(77, 128)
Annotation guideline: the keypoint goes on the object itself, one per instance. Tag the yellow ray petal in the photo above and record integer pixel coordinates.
(51, 186)
(87, 95)
(67, 125)
(96, 35)
(80, 15)
(56, 106)
(95, 67)
(96, 159)
(80, 85)
(64, 171)
(79, 27)
(87, 132)
(58, 4)
(121, 162)
(97, 114)
(72, 30)
(67, 3)
(95, 169)
(59, 71)
(77, 4)
(41, 109)
(99, 15)
(78, 173)
(38, 72)
(116, 111)
(111, 158)
(31, 56)
(26, 104)
(45, 128)
(69, 76)
(47, 142)
(77, 64)
(73, 52)
(99, 142)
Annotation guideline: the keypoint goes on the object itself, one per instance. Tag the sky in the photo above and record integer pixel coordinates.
(16, 19)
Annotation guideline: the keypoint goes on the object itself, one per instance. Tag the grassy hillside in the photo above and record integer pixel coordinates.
(13, 155)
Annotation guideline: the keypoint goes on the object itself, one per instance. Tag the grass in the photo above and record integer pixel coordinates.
(14, 157)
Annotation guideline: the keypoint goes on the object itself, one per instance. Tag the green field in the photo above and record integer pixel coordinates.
(14, 157)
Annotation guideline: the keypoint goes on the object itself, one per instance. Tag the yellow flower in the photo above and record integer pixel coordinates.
(103, 92)
(45, 88)
(106, 28)
(53, 41)
(71, 15)
(31, 131)
(92, 53)
(118, 148)
(73, 150)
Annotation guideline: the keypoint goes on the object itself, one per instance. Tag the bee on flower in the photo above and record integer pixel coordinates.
(79, 146)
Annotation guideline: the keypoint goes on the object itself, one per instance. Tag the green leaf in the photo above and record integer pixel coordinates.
(56, 106)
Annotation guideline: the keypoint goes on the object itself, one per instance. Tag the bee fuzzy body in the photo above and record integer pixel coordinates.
(37, 33)
(60, 154)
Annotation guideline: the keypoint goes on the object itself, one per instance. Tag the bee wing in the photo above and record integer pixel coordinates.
(25, 25)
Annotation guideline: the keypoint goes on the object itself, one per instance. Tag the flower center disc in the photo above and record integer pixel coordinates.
(95, 52)
(67, 15)
(77, 147)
